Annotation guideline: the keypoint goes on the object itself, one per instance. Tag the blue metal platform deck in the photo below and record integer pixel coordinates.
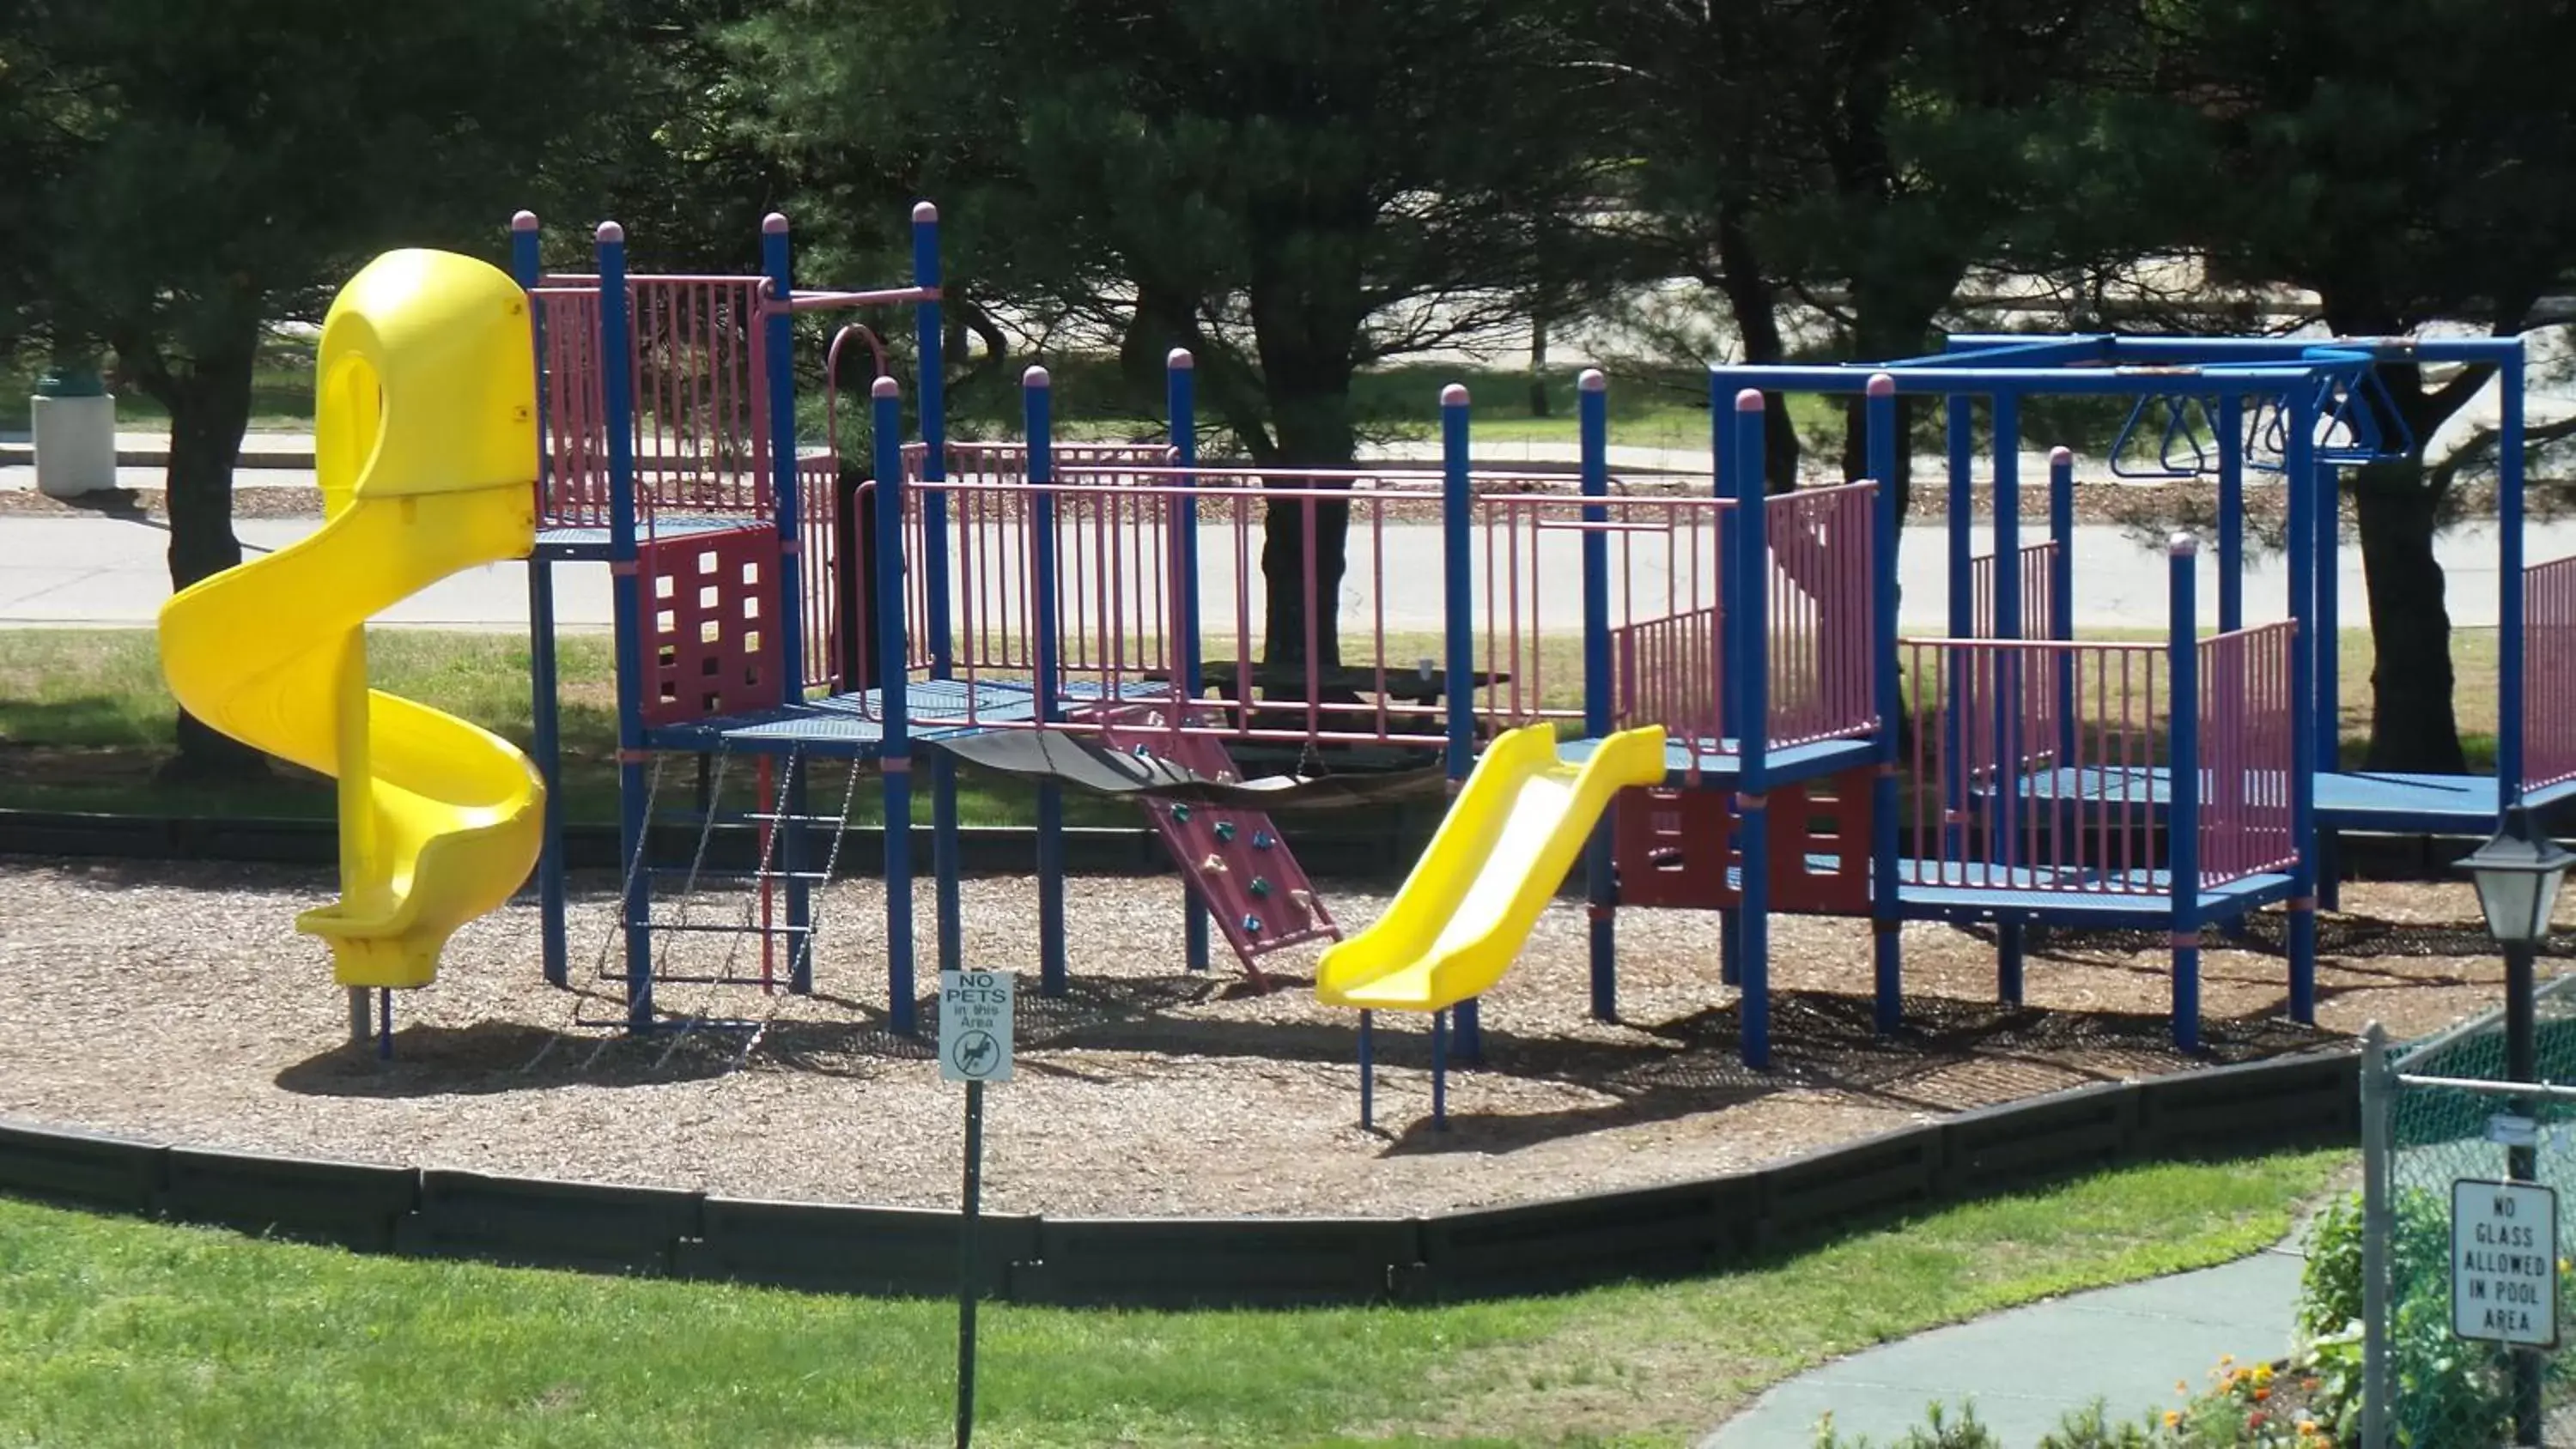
(1958, 891)
(578, 542)
(2397, 803)
(853, 725)
(1719, 761)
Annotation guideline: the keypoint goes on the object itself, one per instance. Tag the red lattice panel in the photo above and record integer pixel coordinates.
(710, 612)
(1675, 848)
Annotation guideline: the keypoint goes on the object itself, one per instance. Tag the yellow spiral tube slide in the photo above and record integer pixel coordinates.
(426, 449)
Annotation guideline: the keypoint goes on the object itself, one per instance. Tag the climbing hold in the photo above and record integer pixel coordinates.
(1180, 815)
(1214, 864)
(1224, 831)
(1252, 925)
(1262, 840)
(1141, 752)
(1260, 886)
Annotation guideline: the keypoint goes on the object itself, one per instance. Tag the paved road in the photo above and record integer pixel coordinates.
(2028, 1368)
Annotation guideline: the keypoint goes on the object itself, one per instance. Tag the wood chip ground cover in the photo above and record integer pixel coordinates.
(178, 1002)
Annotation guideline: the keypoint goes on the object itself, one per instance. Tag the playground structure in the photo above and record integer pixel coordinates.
(1701, 698)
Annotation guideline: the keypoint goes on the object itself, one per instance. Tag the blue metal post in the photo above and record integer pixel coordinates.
(1721, 468)
(2300, 476)
(2061, 587)
(1180, 386)
(2509, 565)
(2182, 823)
(1368, 1074)
(545, 719)
(1886, 919)
(2230, 427)
(779, 340)
(934, 433)
(1456, 508)
(1592, 425)
(893, 682)
(2009, 714)
(1457, 582)
(617, 348)
(2327, 502)
(1752, 664)
(1959, 427)
(1439, 1071)
(931, 340)
(1037, 405)
(1459, 629)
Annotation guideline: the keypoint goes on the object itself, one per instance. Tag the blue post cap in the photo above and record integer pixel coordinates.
(885, 387)
(1179, 360)
(773, 224)
(2061, 456)
(1454, 395)
(1749, 400)
(1592, 380)
(523, 221)
(610, 232)
(2182, 545)
(1036, 376)
(924, 213)
(1881, 384)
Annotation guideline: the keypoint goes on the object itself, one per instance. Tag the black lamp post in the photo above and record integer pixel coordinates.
(2518, 874)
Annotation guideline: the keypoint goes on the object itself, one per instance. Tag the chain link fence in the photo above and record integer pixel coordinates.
(2434, 1114)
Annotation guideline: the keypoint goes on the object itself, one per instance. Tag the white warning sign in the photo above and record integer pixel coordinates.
(975, 1026)
(2504, 1262)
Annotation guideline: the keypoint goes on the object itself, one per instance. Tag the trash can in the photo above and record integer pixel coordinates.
(75, 426)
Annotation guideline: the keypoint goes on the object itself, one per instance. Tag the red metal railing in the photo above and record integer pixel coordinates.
(2038, 599)
(701, 397)
(572, 487)
(2245, 741)
(1663, 563)
(2549, 674)
(1823, 622)
(700, 390)
(2007, 799)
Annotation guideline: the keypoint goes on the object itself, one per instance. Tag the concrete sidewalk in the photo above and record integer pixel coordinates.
(2026, 1369)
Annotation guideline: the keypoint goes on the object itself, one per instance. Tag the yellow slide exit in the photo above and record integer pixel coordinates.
(1501, 852)
(426, 448)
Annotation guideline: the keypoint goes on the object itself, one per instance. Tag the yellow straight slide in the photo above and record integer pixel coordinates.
(1506, 845)
(426, 447)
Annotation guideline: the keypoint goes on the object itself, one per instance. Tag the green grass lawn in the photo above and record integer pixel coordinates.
(85, 721)
(124, 1333)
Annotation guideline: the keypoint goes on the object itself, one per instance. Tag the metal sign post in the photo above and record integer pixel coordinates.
(974, 1048)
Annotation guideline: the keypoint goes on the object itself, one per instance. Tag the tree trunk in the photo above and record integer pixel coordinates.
(1311, 418)
(209, 405)
(2413, 726)
(1538, 366)
(1755, 303)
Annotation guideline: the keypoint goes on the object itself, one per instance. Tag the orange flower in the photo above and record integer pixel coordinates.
(2172, 1417)
(2307, 1426)
(2261, 1394)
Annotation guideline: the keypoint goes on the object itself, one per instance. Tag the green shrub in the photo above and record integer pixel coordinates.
(1937, 1431)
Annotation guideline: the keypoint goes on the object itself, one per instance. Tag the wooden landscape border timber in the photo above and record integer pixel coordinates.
(1675, 1230)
